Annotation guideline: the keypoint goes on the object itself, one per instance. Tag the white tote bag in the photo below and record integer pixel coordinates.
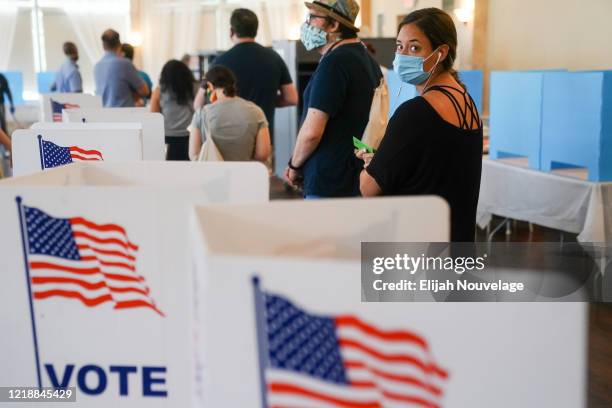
(379, 116)
(209, 151)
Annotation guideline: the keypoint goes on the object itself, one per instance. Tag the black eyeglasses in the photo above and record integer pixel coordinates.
(311, 16)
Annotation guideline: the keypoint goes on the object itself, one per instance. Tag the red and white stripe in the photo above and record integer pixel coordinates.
(78, 154)
(57, 116)
(106, 272)
(384, 369)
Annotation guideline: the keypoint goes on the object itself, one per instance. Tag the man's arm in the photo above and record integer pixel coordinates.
(143, 90)
(288, 96)
(5, 140)
(200, 99)
(309, 136)
(138, 85)
(7, 90)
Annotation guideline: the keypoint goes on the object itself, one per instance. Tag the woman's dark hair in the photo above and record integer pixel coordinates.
(221, 77)
(178, 79)
(439, 29)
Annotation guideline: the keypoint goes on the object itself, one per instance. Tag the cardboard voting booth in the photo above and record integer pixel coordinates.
(515, 108)
(15, 81)
(473, 81)
(45, 80)
(577, 122)
(399, 92)
(282, 323)
(40, 149)
(53, 104)
(96, 290)
(152, 125)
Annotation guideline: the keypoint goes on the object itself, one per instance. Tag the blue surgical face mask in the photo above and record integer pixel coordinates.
(312, 37)
(410, 68)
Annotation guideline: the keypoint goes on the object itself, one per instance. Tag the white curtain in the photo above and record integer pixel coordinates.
(8, 20)
(278, 19)
(170, 28)
(89, 19)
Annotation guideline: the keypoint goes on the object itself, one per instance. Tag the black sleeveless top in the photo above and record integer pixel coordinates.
(423, 154)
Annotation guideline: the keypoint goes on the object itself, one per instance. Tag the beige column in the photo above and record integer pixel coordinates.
(366, 15)
(135, 25)
(480, 44)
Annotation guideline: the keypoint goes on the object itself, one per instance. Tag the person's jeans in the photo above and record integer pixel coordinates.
(312, 197)
(178, 148)
(3, 119)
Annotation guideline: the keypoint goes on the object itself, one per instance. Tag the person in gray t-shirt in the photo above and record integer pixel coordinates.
(173, 98)
(238, 127)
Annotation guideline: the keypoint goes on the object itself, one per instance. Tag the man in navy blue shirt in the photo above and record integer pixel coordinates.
(117, 81)
(68, 78)
(261, 74)
(337, 103)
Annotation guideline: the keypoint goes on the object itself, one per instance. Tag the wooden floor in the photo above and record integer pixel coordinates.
(600, 315)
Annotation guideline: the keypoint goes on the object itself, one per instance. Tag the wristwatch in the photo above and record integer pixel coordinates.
(292, 167)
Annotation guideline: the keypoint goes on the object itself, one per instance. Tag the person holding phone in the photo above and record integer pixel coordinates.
(433, 143)
(337, 102)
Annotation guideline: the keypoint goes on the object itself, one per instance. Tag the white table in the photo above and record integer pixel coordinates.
(562, 200)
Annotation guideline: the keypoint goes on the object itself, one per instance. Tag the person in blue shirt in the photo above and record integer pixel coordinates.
(128, 52)
(117, 81)
(68, 78)
(337, 102)
(5, 89)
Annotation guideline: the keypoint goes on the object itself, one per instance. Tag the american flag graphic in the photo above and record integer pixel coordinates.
(317, 361)
(56, 108)
(78, 259)
(52, 155)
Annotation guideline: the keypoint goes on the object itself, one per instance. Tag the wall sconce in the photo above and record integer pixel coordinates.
(464, 14)
(135, 39)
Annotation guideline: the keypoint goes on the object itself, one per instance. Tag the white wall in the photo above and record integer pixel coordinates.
(391, 9)
(527, 34)
(22, 55)
(58, 30)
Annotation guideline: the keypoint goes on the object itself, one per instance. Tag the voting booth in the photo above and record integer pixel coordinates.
(515, 107)
(52, 104)
(294, 331)
(474, 83)
(44, 148)
(577, 122)
(97, 291)
(152, 125)
(399, 91)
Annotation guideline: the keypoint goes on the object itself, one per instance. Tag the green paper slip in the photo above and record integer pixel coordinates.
(360, 145)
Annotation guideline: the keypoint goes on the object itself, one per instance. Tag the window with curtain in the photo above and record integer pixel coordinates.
(32, 42)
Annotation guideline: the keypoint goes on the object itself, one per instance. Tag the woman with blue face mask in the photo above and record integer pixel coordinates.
(433, 143)
(336, 102)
